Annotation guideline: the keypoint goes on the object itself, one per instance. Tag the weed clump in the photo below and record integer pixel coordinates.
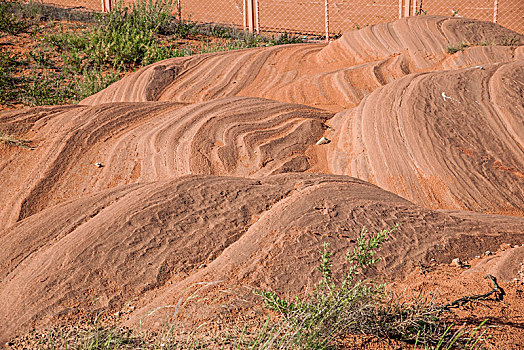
(356, 305)
(11, 140)
(510, 40)
(456, 48)
(12, 20)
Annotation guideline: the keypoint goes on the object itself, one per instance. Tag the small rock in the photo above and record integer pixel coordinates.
(202, 266)
(477, 256)
(505, 246)
(323, 141)
(99, 165)
(458, 263)
(488, 252)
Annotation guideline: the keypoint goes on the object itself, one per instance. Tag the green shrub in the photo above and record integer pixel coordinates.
(11, 140)
(95, 80)
(354, 305)
(126, 36)
(456, 48)
(48, 88)
(510, 40)
(286, 38)
(12, 20)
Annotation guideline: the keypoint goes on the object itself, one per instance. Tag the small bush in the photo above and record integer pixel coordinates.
(12, 20)
(48, 88)
(95, 80)
(287, 39)
(355, 305)
(510, 40)
(456, 48)
(11, 140)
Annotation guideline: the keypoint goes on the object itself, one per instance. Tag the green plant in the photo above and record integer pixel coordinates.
(9, 81)
(123, 38)
(12, 21)
(355, 305)
(93, 81)
(11, 140)
(510, 40)
(287, 39)
(456, 48)
(48, 88)
(126, 35)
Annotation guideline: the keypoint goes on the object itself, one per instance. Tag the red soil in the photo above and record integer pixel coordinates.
(210, 173)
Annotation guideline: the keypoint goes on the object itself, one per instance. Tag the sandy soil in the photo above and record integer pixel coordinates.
(206, 171)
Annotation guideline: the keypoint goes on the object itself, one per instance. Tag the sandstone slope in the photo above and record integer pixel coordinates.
(146, 142)
(448, 140)
(334, 76)
(148, 243)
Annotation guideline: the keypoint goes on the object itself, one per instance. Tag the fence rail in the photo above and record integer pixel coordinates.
(327, 18)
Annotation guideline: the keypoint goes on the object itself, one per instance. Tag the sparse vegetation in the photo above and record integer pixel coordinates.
(287, 39)
(11, 140)
(510, 40)
(355, 305)
(456, 48)
(12, 20)
(335, 308)
(75, 60)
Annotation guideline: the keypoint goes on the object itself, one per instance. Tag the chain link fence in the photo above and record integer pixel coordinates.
(327, 18)
(511, 14)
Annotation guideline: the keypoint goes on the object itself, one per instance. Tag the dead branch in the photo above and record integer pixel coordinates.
(497, 291)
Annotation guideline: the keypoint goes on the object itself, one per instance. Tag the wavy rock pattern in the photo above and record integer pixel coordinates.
(120, 244)
(185, 171)
(144, 142)
(334, 76)
(450, 140)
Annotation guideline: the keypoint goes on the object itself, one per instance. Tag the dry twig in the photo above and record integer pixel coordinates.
(497, 290)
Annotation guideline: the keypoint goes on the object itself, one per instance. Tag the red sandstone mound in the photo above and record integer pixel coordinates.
(443, 140)
(145, 241)
(146, 142)
(334, 76)
(99, 214)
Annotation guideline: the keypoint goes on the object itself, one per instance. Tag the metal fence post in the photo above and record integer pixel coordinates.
(106, 5)
(257, 19)
(414, 8)
(244, 14)
(495, 10)
(326, 14)
(399, 9)
(407, 6)
(250, 14)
